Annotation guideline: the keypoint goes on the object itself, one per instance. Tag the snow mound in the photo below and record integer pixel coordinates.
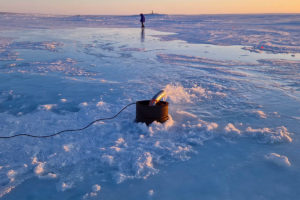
(277, 159)
(230, 128)
(263, 135)
(260, 113)
(267, 135)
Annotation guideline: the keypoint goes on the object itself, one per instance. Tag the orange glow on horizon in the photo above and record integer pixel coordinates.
(127, 7)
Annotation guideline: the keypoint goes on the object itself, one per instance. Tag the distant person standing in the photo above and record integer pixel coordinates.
(142, 20)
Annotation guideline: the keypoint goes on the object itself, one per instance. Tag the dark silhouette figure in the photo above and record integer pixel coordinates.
(142, 20)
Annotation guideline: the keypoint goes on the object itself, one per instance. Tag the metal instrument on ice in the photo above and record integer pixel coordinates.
(148, 111)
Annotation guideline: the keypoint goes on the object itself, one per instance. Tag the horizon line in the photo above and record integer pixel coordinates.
(57, 14)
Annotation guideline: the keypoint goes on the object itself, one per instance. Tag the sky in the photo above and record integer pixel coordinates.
(125, 7)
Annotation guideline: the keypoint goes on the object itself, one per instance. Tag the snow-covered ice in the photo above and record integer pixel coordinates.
(232, 82)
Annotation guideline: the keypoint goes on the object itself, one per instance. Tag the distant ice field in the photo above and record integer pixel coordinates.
(233, 131)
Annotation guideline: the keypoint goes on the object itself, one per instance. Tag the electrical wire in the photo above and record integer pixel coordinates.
(68, 130)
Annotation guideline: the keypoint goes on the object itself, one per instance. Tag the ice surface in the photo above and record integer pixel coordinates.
(230, 106)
